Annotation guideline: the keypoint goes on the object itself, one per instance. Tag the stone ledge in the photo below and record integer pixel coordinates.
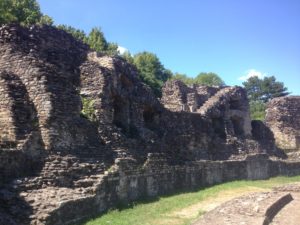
(273, 209)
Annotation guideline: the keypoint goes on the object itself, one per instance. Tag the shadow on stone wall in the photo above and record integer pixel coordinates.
(265, 137)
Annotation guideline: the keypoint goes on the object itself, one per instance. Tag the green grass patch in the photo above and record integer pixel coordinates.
(175, 209)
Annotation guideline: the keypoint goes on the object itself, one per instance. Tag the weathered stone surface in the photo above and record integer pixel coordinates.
(283, 118)
(58, 167)
(276, 207)
(227, 105)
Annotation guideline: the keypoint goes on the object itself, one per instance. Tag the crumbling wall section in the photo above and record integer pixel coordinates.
(8, 135)
(177, 96)
(18, 117)
(46, 61)
(283, 118)
(127, 182)
(125, 110)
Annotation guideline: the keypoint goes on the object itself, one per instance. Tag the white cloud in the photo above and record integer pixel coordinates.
(252, 73)
(122, 50)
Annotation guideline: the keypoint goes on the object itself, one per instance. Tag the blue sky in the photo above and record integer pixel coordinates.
(233, 38)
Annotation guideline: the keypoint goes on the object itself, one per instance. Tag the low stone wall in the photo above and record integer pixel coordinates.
(127, 182)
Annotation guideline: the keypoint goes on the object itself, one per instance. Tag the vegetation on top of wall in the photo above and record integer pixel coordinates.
(95, 39)
(207, 79)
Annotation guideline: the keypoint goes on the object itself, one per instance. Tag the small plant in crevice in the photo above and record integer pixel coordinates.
(88, 110)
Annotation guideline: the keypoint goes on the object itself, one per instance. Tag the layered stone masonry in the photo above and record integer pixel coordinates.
(69, 167)
(127, 181)
(225, 107)
(283, 117)
(45, 61)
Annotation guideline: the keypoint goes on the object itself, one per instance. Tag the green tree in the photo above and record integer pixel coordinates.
(128, 57)
(46, 20)
(260, 91)
(209, 79)
(6, 14)
(96, 40)
(76, 33)
(151, 71)
(24, 12)
(264, 89)
(112, 49)
(184, 78)
(257, 110)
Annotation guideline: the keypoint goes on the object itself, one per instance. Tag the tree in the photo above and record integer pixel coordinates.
(46, 20)
(24, 12)
(76, 33)
(264, 89)
(6, 14)
(112, 49)
(97, 42)
(184, 78)
(257, 110)
(260, 91)
(128, 57)
(151, 71)
(209, 79)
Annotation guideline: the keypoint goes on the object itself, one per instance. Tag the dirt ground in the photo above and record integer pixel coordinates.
(192, 212)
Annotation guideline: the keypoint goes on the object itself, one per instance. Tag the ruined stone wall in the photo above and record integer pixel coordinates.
(209, 121)
(127, 182)
(45, 63)
(283, 118)
(44, 73)
(7, 125)
(18, 115)
(177, 96)
(227, 108)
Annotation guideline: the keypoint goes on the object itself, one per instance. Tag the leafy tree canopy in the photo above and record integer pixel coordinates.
(97, 42)
(184, 78)
(257, 110)
(152, 72)
(47, 20)
(24, 12)
(76, 33)
(264, 89)
(209, 79)
(128, 57)
(260, 91)
(95, 39)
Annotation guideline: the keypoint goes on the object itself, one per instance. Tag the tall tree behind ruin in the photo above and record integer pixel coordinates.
(260, 91)
(24, 12)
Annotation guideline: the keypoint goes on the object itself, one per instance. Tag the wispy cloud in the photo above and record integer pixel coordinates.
(122, 50)
(252, 73)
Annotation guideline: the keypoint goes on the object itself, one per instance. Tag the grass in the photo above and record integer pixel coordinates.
(182, 209)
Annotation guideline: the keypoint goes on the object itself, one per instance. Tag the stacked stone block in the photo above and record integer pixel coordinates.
(283, 118)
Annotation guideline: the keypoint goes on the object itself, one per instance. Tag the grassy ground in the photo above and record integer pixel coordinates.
(182, 209)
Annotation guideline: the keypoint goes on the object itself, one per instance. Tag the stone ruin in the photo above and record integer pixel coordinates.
(283, 118)
(59, 167)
